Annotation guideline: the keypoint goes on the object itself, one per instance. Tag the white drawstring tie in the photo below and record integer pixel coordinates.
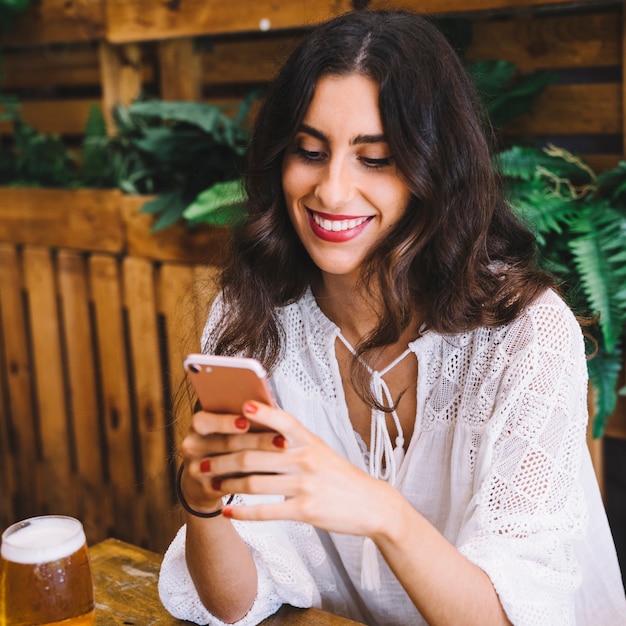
(384, 458)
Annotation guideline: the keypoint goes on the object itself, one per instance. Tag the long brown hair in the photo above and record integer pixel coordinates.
(458, 256)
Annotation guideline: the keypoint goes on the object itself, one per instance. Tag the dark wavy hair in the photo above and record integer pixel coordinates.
(458, 257)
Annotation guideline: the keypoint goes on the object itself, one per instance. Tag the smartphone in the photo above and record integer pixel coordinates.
(224, 383)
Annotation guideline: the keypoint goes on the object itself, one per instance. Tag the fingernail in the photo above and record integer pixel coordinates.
(205, 465)
(250, 408)
(279, 441)
(216, 484)
(241, 423)
(227, 511)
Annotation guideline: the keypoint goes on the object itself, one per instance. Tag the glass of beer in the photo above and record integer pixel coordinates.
(45, 574)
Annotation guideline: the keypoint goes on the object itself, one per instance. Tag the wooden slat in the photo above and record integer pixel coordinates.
(94, 505)
(86, 219)
(59, 487)
(7, 457)
(573, 109)
(21, 422)
(121, 75)
(176, 243)
(57, 21)
(204, 289)
(601, 162)
(66, 117)
(114, 381)
(137, 21)
(180, 70)
(534, 43)
(176, 302)
(140, 300)
(245, 60)
(465, 6)
(133, 20)
(33, 67)
(73, 66)
(174, 297)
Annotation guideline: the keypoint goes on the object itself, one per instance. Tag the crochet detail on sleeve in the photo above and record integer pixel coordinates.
(531, 506)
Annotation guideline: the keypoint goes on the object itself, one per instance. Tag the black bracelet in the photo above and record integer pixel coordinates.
(185, 504)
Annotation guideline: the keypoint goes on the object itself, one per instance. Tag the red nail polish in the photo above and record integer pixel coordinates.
(241, 423)
(250, 408)
(227, 512)
(279, 441)
(216, 484)
(205, 465)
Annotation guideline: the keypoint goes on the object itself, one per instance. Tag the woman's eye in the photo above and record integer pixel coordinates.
(309, 155)
(376, 163)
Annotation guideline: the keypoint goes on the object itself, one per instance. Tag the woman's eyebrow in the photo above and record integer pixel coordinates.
(359, 139)
(318, 134)
(369, 139)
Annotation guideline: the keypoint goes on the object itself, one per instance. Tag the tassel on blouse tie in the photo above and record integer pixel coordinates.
(384, 458)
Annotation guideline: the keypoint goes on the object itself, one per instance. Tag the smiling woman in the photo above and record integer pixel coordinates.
(341, 184)
(425, 462)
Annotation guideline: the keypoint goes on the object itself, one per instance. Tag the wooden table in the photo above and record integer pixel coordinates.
(126, 577)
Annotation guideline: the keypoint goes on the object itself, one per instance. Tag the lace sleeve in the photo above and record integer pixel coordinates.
(529, 505)
(280, 551)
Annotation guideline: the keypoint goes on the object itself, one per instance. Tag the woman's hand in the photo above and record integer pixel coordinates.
(320, 487)
(211, 435)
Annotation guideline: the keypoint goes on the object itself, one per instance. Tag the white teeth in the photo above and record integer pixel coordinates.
(338, 225)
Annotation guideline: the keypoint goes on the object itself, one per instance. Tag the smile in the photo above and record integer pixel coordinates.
(337, 228)
(337, 225)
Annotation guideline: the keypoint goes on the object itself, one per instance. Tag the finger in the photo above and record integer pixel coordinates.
(195, 446)
(257, 483)
(197, 488)
(277, 420)
(250, 462)
(257, 512)
(206, 423)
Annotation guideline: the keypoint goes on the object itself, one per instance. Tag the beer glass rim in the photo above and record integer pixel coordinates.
(47, 549)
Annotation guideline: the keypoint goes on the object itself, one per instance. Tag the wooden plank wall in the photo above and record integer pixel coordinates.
(92, 336)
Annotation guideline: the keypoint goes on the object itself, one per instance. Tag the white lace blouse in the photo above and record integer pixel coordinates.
(497, 462)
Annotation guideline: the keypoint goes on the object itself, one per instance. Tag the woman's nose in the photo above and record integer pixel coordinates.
(335, 186)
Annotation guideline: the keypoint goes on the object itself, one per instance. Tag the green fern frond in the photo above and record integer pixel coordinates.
(541, 210)
(604, 370)
(599, 258)
(519, 162)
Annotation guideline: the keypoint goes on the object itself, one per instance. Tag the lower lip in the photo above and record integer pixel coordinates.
(337, 236)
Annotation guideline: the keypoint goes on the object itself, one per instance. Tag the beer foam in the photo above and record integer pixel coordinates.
(42, 539)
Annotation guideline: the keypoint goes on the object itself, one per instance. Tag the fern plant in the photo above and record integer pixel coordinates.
(579, 218)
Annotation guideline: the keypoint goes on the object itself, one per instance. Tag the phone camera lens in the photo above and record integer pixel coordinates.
(194, 368)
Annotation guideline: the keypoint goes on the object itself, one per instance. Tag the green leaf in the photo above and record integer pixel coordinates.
(169, 207)
(604, 370)
(528, 163)
(597, 247)
(160, 203)
(206, 117)
(506, 94)
(221, 204)
(96, 124)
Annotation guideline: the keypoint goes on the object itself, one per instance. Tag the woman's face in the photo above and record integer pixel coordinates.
(342, 188)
